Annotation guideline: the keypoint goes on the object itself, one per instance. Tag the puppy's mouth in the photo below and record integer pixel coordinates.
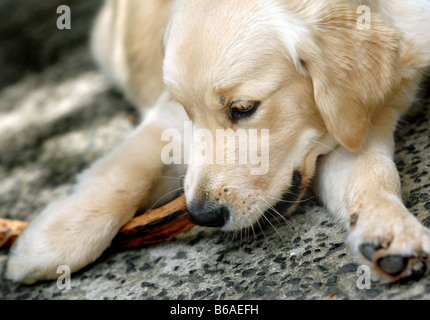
(209, 213)
(290, 198)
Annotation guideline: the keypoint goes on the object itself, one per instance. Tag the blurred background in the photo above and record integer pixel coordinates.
(29, 39)
(57, 112)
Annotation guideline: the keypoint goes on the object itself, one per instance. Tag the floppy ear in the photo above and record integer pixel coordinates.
(352, 68)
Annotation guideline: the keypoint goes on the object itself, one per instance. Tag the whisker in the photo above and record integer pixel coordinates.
(181, 180)
(273, 216)
(259, 225)
(292, 202)
(166, 177)
(234, 238)
(271, 207)
(270, 223)
(261, 229)
(227, 236)
(252, 228)
(253, 232)
(176, 190)
(330, 148)
(233, 235)
(181, 177)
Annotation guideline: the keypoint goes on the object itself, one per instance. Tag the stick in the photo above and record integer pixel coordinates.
(151, 227)
(10, 230)
(155, 225)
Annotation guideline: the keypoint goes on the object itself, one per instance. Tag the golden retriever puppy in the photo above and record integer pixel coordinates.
(301, 80)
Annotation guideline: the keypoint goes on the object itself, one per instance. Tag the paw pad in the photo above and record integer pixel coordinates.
(396, 264)
(393, 265)
(369, 249)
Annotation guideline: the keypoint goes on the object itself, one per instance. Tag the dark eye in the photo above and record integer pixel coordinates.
(243, 109)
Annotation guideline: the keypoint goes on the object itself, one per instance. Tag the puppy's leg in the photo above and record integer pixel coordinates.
(75, 230)
(363, 191)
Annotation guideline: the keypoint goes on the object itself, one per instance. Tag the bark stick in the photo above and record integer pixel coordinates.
(151, 227)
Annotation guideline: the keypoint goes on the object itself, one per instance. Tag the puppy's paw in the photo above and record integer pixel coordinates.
(395, 249)
(390, 266)
(62, 235)
(28, 268)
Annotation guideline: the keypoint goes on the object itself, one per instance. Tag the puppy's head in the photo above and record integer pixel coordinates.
(273, 84)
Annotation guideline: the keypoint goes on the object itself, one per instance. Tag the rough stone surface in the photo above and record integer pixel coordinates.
(57, 115)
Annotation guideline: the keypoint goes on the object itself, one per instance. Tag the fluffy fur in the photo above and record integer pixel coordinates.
(327, 88)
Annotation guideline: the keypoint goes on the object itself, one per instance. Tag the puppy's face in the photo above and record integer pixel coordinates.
(236, 68)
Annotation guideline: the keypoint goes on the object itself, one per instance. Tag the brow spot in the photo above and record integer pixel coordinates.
(353, 220)
(222, 101)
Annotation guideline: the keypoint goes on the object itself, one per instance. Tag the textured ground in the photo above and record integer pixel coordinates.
(57, 115)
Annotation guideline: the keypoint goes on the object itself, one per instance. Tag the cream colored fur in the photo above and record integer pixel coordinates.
(327, 88)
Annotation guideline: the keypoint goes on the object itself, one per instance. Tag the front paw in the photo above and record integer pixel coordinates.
(64, 234)
(26, 265)
(34, 256)
(394, 248)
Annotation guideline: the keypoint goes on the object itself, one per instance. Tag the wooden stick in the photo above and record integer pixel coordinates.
(155, 225)
(10, 230)
(151, 227)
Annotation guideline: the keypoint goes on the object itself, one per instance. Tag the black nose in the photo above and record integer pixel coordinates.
(208, 214)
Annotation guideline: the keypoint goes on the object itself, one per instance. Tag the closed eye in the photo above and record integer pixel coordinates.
(243, 109)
